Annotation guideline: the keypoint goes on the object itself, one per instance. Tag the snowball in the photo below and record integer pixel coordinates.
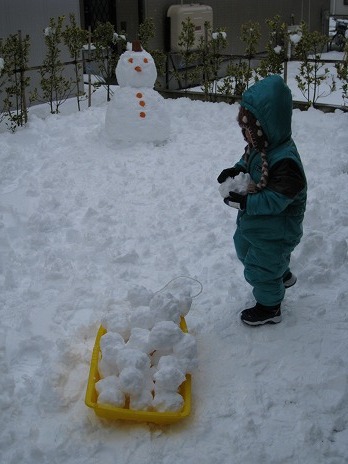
(129, 357)
(112, 341)
(139, 296)
(185, 303)
(186, 351)
(168, 378)
(107, 367)
(132, 381)
(164, 335)
(142, 317)
(110, 344)
(109, 392)
(238, 184)
(158, 354)
(169, 361)
(139, 339)
(166, 307)
(118, 322)
(142, 402)
(168, 401)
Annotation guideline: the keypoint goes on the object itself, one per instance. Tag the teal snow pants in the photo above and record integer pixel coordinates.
(265, 253)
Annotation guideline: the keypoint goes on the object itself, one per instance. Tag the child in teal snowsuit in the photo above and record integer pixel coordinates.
(269, 222)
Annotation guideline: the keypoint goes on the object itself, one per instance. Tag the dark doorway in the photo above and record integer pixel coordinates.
(99, 11)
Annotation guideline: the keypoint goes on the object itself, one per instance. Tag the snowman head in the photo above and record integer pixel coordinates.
(136, 68)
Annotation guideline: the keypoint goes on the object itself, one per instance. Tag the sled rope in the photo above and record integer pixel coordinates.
(183, 277)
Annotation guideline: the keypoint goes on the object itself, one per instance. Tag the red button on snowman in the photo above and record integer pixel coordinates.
(137, 113)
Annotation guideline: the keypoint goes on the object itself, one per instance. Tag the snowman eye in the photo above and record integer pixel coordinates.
(130, 60)
(146, 60)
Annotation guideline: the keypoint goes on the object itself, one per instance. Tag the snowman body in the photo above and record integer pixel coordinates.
(137, 113)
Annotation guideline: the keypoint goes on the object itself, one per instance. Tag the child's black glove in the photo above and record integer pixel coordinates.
(230, 172)
(235, 200)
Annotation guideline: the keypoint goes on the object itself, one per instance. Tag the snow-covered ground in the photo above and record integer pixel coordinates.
(83, 221)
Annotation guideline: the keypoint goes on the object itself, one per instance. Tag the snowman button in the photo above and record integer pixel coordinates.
(142, 103)
(142, 114)
(139, 95)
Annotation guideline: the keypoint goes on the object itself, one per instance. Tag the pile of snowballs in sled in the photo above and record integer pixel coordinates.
(145, 355)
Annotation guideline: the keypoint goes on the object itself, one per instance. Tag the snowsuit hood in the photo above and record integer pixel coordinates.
(270, 101)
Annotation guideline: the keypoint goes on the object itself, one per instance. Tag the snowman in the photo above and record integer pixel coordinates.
(136, 112)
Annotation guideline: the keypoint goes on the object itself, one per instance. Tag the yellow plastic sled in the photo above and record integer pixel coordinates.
(108, 411)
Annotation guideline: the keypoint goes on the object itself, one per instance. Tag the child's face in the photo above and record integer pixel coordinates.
(248, 136)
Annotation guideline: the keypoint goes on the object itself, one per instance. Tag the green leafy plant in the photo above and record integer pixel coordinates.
(342, 74)
(146, 32)
(55, 87)
(210, 49)
(239, 74)
(275, 48)
(238, 77)
(312, 71)
(250, 35)
(108, 46)
(75, 38)
(189, 54)
(14, 53)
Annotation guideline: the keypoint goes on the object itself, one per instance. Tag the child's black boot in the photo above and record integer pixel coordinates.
(260, 314)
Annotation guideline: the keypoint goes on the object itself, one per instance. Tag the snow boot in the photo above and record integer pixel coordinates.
(289, 280)
(260, 314)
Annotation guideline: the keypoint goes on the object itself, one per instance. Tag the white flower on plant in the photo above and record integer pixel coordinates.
(277, 49)
(295, 38)
(49, 31)
(2, 64)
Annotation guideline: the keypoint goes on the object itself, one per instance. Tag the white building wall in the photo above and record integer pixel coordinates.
(339, 7)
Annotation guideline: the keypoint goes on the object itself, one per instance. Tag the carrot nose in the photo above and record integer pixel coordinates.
(138, 68)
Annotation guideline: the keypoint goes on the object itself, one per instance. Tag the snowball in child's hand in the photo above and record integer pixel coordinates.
(164, 335)
(167, 401)
(238, 184)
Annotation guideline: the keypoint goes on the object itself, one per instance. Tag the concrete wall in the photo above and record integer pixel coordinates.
(231, 14)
